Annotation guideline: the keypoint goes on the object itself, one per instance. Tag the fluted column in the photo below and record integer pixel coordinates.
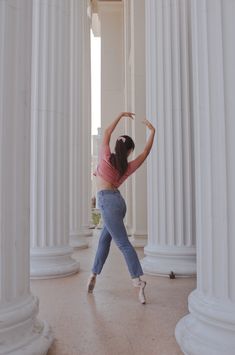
(139, 179)
(50, 113)
(80, 128)
(171, 230)
(210, 326)
(21, 333)
(136, 186)
(112, 73)
(127, 193)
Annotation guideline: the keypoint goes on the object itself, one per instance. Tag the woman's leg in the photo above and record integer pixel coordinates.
(118, 231)
(113, 214)
(100, 257)
(113, 209)
(102, 251)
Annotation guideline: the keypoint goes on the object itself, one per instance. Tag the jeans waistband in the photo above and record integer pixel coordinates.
(106, 192)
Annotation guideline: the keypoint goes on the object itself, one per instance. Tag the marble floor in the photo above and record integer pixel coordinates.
(112, 321)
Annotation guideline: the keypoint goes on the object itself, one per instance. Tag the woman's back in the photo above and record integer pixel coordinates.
(105, 170)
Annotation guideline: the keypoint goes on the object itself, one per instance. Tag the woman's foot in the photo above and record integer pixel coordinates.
(91, 283)
(141, 285)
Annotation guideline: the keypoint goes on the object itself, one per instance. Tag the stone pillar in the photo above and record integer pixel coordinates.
(112, 66)
(171, 229)
(139, 179)
(210, 326)
(113, 79)
(80, 127)
(50, 113)
(128, 191)
(21, 333)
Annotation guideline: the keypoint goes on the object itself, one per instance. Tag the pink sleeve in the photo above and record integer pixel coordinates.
(134, 165)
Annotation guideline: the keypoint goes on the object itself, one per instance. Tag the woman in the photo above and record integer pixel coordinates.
(112, 170)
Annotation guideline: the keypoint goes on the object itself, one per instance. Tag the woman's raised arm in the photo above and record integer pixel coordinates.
(109, 130)
(150, 140)
(134, 164)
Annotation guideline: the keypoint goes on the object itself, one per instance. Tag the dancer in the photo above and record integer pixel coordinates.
(112, 170)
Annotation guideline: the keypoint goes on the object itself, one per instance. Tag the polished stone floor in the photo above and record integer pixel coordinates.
(111, 321)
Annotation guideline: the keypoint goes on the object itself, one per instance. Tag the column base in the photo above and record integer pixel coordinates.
(129, 230)
(49, 263)
(209, 329)
(139, 240)
(79, 240)
(21, 333)
(162, 261)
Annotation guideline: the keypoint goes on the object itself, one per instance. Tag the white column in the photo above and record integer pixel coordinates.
(134, 52)
(210, 326)
(128, 191)
(113, 79)
(138, 104)
(171, 230)
(21, 333)
(50, 113)
(80, 127)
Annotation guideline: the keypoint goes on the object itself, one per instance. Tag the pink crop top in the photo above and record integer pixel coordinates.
(109, 172)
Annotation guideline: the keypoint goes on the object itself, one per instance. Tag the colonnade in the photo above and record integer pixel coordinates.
(44, 120)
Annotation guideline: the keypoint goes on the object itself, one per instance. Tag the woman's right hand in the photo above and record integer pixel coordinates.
(148, 124)
(127, 114)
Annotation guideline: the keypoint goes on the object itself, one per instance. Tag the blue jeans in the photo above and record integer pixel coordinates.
(113, 210)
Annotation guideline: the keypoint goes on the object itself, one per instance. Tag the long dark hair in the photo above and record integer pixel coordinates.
(119, 158)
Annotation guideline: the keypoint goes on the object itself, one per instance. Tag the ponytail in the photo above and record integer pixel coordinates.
(119, 158)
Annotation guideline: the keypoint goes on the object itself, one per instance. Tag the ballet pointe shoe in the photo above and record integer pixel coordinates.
(91, 283)
(141, 285)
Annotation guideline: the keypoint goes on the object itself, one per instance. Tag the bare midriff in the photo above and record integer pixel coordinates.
(102, 184)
